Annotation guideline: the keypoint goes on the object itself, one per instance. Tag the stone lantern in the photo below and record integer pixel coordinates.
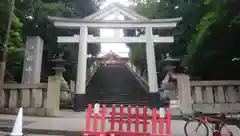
(164, 93)
(170, 66)
(65, 96)
(58, 65)
(170, 63)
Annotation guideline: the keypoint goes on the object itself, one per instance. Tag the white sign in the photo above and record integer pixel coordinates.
(162, 112)
(96, 108)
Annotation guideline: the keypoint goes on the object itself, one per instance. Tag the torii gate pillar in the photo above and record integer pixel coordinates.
(79, 99)
(153, 95)
(151, 61)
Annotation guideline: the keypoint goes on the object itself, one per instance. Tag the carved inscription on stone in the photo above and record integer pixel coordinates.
(32, 61)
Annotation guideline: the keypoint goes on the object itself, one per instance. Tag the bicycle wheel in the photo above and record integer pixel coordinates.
(224, 131)
(195, 128)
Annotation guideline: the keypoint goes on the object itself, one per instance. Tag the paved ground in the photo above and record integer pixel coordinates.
(4, 134)
(70, 123)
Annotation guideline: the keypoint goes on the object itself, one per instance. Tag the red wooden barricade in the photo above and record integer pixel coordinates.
(128, 118)
(95, 117)
(152, 125)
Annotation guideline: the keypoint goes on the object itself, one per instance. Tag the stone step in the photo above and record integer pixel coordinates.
(116, 86)
(123, 100)
(127, 97)
(118, 102)
(173, 103)
(116, 95)
(107, 95)
(119, 97)
(125, 104)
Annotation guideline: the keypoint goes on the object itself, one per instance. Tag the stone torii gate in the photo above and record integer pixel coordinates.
(95, 20)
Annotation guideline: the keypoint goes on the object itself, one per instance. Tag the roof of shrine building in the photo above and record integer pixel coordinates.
(130, 16)
(111, 54)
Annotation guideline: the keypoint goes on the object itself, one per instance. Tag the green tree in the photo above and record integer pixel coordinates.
(30, 19)
(214, 44)
(206, 34)
(153, 10)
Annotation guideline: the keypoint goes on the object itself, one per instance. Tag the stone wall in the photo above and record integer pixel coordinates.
(207, 96)
(36, 99)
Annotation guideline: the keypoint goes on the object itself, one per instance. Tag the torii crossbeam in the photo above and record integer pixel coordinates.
(96, 21)
(92, 39)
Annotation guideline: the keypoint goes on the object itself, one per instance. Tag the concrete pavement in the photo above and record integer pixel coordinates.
(70, 123)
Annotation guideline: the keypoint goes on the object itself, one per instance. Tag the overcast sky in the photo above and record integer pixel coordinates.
(117, 48)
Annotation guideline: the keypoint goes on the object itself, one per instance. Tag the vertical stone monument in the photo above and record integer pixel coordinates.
(32, 60)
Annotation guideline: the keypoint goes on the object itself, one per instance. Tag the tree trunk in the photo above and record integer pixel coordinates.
(5, 44)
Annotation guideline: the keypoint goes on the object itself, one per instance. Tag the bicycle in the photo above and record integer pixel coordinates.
(206, 120)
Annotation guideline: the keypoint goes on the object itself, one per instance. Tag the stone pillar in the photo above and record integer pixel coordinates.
(54, 87)
(33, 60)
(184, 90)
(53, 94)
(79, 100)
(154, 96)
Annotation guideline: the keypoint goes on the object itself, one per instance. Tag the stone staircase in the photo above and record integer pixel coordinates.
(115, 84)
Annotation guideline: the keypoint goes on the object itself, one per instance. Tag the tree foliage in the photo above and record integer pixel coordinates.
(206, 39)
(30, 19)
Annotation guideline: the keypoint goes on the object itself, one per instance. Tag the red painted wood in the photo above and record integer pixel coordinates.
(126, 118)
